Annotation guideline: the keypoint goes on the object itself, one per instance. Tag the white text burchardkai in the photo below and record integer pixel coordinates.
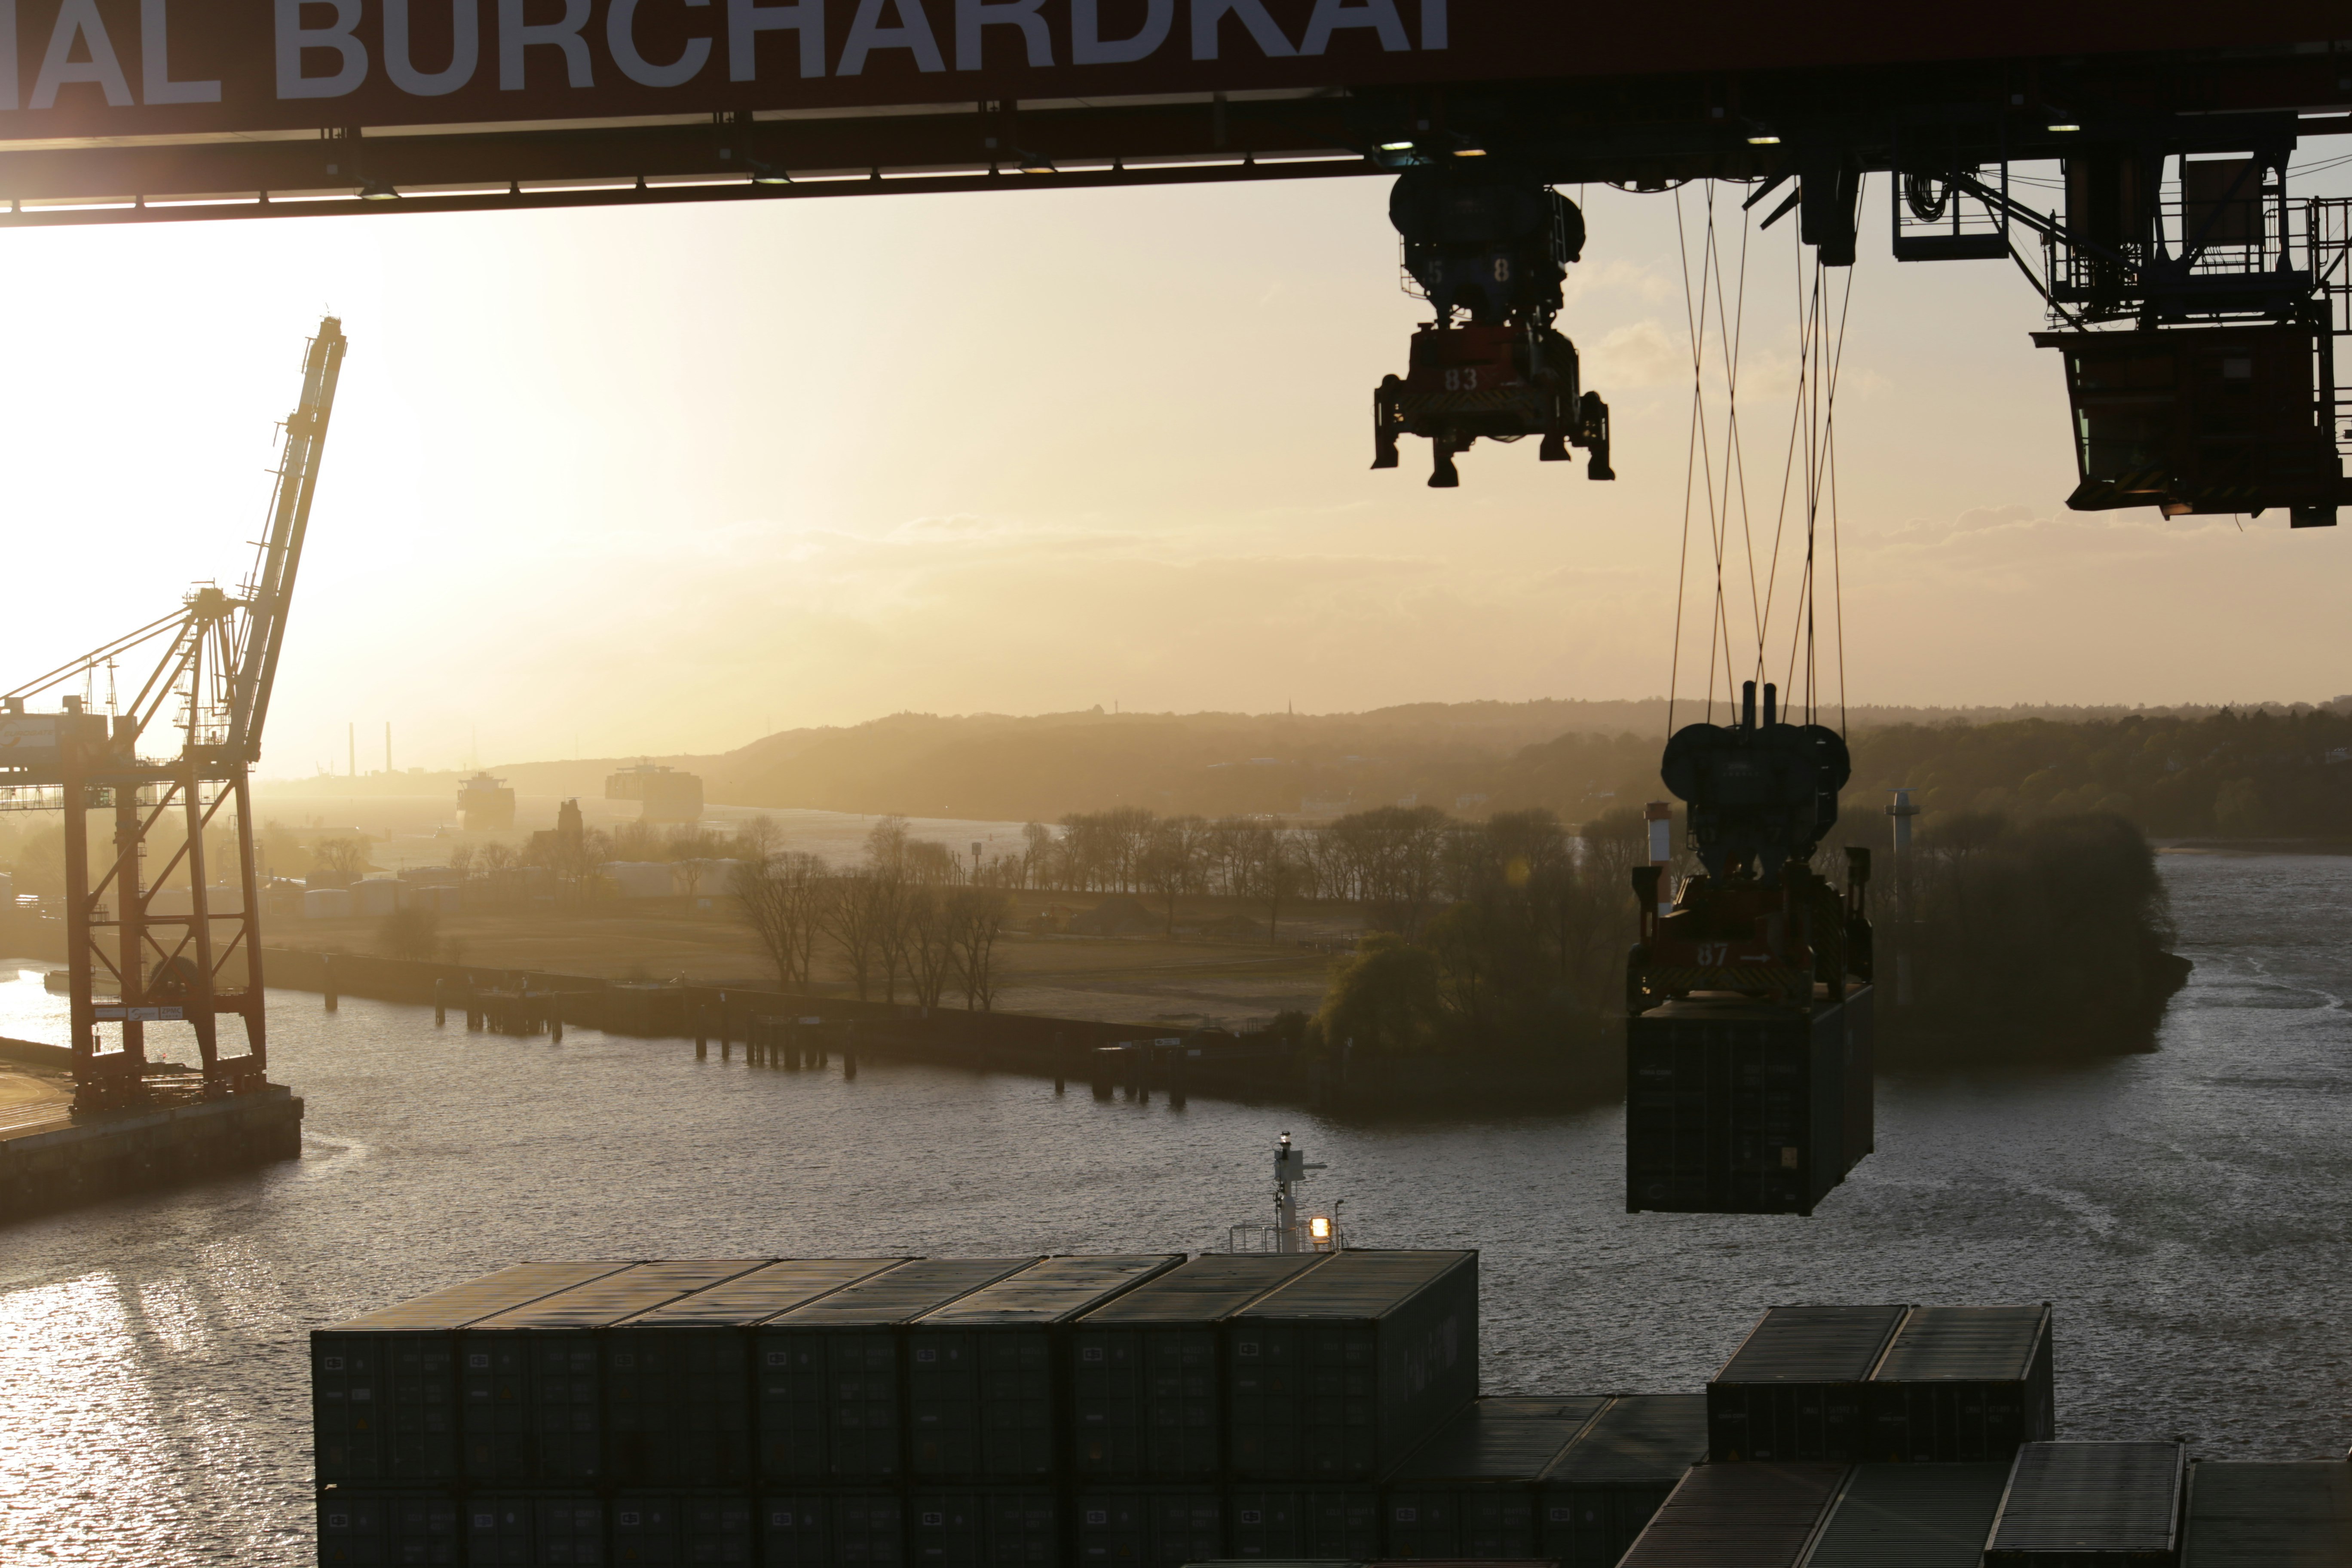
(78, 68)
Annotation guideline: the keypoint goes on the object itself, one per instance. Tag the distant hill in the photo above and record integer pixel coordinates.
(1470, 757)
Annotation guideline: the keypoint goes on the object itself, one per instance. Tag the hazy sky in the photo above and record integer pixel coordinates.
(661, 480)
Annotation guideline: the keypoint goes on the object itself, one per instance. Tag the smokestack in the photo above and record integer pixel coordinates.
(351, 739)
(387, 746)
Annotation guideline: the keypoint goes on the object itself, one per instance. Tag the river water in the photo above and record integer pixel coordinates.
(2189, 1213)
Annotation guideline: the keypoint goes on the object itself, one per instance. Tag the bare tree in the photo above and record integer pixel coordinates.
(885, 844)
(976, 917)
(758, 838)
(1275, 872)
(929, 942)
(1170, 863)
(782, 899)
(340, 856)
(1037, 855)
(860, 909)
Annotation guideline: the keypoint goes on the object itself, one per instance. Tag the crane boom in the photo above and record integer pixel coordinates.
(270, 592)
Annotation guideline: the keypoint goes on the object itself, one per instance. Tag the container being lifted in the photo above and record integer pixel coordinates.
(1747, 998)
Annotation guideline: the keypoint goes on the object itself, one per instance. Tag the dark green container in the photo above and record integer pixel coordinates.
(1472, 1491)
(530, 1379)
(1735, 1106)
(821, 1530)
(972, 1527)
(987, 1386)
(1598, 1494)
(384, 1386)
(830, 1379)
(1336, 1376)
(1147, 1370)
(1795, 1390)
(1160, 1525)
(678, 1379)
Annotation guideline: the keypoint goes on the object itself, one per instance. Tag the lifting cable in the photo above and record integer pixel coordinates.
(1812, 442)
(1718, 487)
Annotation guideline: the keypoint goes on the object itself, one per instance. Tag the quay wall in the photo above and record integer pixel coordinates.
(1245, 1066)
(113, 1153)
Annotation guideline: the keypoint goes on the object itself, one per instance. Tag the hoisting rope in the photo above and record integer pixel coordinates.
(1704, 299)
(1812, 436)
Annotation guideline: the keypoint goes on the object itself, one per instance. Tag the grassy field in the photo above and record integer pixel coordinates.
(1144, 978)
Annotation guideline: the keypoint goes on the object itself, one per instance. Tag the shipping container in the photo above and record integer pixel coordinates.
(532, 1528)
(2247, 1514)
(830, 1382)
(1307, 1521)
(1599, 1494)
(966, 1527)
(678, 1379)
(684, 1527)
(1735, 1106)
(360, 1527)
(384, 1386)
(1793, 1391)
(987, 1373)
(1749, 1515)
(1165, 1526)
(1336, 1375)
(531, 1378)
(1963, 1383)
(1911, 1516)
(2090, 1505)
(1148, 1378)
(1472, 1489)
(843, 1526)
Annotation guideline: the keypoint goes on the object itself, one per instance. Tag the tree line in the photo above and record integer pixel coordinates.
(897, 920)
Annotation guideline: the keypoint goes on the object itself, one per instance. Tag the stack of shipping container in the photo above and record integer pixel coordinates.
(1925, 1438)
(952, 1411)
(1267, 1409)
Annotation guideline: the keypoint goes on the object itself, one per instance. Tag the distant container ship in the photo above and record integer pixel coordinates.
(665, 795)
(485, 804)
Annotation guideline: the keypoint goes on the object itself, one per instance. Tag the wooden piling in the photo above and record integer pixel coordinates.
(327, 970)
(440, 1003)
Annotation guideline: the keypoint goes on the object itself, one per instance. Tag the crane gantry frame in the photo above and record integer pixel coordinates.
(218, 665)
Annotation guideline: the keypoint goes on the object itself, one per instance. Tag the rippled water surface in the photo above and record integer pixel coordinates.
(2188, 1212)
